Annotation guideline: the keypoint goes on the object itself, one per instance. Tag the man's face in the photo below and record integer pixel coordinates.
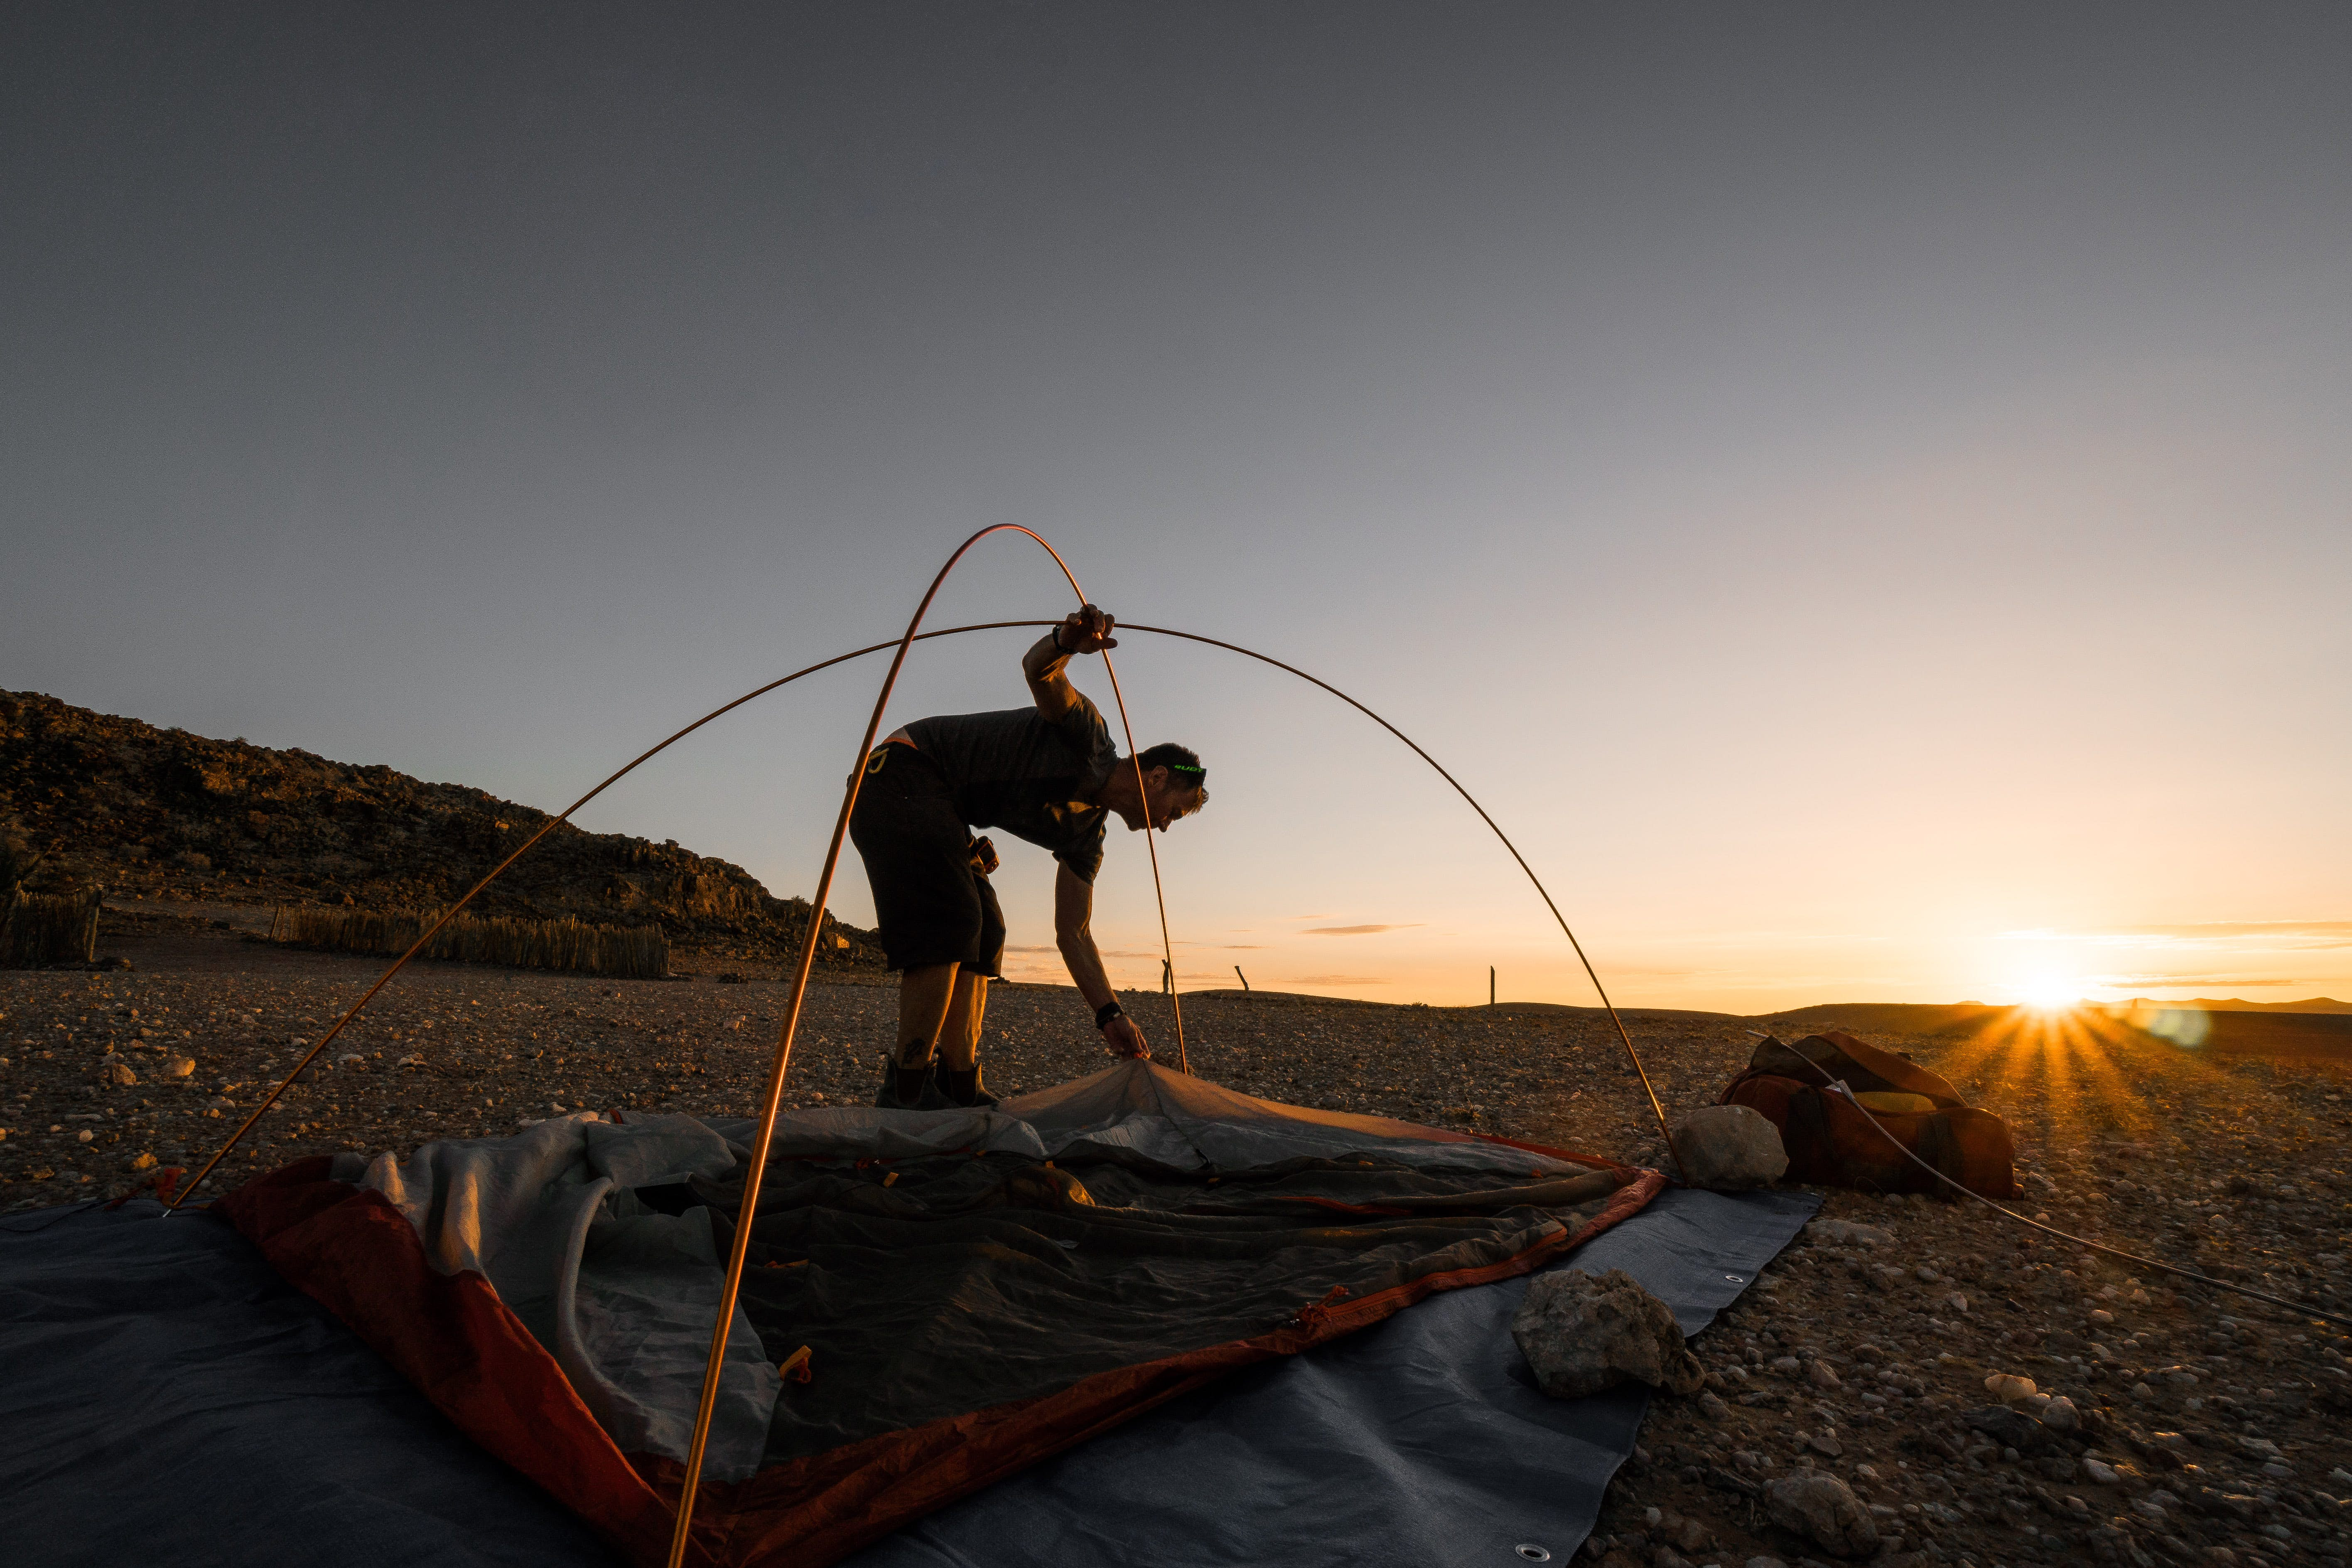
(1170, 799)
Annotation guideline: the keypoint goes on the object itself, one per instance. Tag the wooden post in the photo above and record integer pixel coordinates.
(1490, 986)
(1167, 979)
(1237, 970)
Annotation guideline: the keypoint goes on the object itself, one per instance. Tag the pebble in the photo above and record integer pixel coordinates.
(2010, 1388)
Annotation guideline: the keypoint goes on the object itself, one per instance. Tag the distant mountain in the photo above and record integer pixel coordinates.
(138, 811)
(2231, 1005)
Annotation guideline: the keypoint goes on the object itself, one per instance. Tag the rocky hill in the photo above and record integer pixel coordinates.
(96, 800)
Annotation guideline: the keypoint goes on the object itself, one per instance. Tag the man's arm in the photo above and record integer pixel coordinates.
(1074, 908)
(1045, 665)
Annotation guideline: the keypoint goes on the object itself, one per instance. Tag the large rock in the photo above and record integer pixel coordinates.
(1729, 1148)
(1821, 1509)
(1583, 1333)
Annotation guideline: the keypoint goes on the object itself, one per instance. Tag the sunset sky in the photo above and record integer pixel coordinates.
(1863, 495)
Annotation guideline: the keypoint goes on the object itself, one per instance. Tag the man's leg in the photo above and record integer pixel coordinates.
(924, 993)
(960, 1042)
(960, 1033)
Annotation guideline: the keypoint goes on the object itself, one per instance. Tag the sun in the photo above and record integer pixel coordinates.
(2050, 994)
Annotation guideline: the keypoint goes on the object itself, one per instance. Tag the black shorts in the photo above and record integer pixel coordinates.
(932, 905)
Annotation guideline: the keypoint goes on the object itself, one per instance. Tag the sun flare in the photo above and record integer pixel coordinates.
(2052, 994)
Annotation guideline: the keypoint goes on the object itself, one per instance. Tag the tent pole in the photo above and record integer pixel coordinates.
(748, 1212)
(181, 1196)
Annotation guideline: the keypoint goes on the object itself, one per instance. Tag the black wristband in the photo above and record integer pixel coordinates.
(1106, 1011)
(1055, 636)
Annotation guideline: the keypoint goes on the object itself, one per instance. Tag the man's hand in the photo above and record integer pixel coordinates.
(983, 856)
(1122, 1038)
(1086, 630)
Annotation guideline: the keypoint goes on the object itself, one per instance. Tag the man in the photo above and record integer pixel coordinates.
(1047, 773)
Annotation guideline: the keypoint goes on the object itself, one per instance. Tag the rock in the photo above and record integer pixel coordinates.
(1688, 1534)
(178, 1067)
(1766, 1563)
(1582, 1333)
(1824, 1443)
(1823, 1510)
(2101, 1474)
(2061, 1413)
(1713, 1407)
(1822, 1374)
(2011, 1428)
(1729, 1148)
(1846, 1233)
(140, 1163)
(120, 1075)
(2010, 1388)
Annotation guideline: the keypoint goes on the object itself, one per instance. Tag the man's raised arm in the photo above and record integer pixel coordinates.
(1082, 631)
(1074, 908)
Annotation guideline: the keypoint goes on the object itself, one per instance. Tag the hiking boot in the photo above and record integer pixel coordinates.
(912, 1088)
(963, 1087)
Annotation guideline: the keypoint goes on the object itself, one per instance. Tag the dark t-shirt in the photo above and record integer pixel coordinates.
(1015, 771)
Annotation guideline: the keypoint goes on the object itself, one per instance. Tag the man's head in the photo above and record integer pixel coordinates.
(1174, 782)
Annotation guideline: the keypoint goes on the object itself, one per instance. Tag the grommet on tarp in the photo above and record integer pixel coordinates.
(1532, 1553)
(1734, 1279)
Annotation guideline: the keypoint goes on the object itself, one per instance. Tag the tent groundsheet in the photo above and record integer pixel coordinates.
(1089, 1308)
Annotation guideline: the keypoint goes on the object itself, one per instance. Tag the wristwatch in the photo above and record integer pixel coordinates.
(1106, 1011)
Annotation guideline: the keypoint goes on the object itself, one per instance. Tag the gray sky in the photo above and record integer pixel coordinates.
(1861, 492)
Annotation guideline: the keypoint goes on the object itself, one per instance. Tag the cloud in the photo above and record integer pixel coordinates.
(2300, 936)
(1353, 931)
(1015, 947)
(1331, 980)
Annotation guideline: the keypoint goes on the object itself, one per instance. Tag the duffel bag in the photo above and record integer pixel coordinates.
(1833, 1141)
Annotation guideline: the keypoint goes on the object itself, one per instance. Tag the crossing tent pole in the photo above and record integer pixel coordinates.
(747, 1212)
(1175, 1002)
(651, 751)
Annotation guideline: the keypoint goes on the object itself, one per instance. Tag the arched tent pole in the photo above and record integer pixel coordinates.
(1631, 1054)
(651, 751)
(739, 1248)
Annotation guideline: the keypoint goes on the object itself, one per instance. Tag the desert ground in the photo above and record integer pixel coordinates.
(2215, 1428)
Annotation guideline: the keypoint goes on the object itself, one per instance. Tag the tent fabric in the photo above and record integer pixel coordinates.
(978, 1290)
(167, 1398)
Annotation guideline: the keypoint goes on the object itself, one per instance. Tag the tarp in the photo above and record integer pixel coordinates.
(1421, 1443)
(977, 1290)
(166, 1398)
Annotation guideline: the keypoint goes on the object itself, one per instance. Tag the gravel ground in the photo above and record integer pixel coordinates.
(2215, 1428)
